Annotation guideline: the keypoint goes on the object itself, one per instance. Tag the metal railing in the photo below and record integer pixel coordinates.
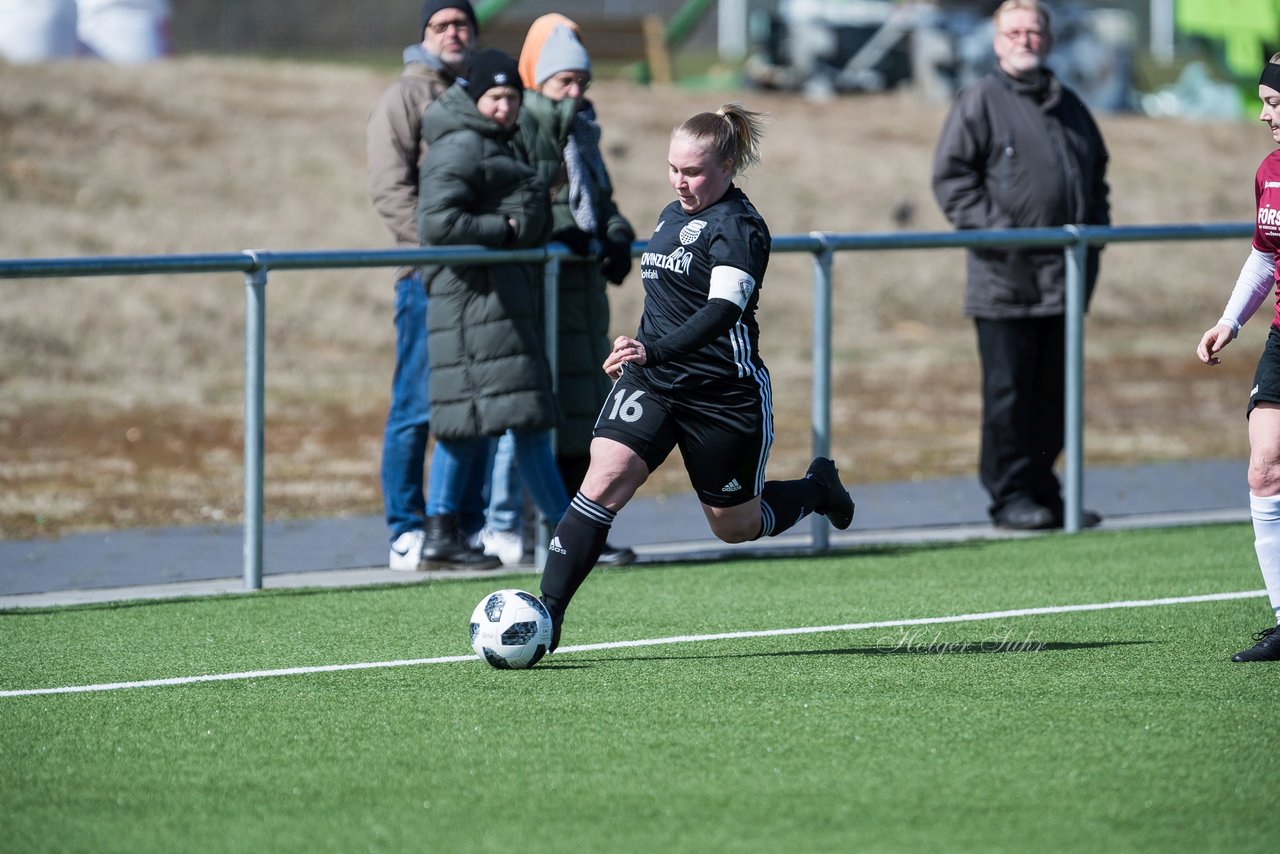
(256, 264)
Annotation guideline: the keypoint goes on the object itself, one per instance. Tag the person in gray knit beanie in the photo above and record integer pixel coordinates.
(562, 51)
(558, 134)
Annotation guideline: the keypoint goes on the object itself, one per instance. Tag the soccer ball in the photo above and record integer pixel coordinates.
(511, 629)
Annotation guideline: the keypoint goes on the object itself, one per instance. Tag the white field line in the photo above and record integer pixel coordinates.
(591, 647)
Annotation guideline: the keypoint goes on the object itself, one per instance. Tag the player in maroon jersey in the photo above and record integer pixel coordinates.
(1257, 278)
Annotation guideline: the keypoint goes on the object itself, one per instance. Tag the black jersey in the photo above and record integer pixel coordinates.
(676, 271)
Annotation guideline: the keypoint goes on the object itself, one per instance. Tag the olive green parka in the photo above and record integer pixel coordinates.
(583, 322)
(489, 371)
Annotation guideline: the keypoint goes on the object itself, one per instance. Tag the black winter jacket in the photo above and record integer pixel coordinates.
(489, 371)
(1015, 154)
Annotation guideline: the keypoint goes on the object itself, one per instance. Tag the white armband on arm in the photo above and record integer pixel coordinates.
(1257, 278)
(732, 284)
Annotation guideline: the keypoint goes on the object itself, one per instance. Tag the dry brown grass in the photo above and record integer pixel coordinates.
(120, 399)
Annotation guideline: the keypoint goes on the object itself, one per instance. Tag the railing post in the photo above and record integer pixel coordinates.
(1073, 428)
(551, 315)
(255, 291)
(821, 414)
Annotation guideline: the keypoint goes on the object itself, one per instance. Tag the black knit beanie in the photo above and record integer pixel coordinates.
(430, 7)
(490, 68)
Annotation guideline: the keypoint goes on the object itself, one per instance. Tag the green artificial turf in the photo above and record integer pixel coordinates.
(1123, 729)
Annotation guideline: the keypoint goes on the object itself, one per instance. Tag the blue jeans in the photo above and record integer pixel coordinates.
(458, 460)
(404, 441)
(506, 493)
(461, 481)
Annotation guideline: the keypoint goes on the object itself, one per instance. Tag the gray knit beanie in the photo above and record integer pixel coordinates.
(561, 52)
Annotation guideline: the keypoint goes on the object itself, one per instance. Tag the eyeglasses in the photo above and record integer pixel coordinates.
(582, 81)
(443, 27)
(1019, 35)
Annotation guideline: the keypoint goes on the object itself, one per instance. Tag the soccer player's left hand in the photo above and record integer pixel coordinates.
(1212, 342)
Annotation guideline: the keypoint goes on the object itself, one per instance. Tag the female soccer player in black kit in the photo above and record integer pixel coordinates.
(692, 376)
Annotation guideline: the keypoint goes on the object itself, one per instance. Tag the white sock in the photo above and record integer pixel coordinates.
(1266, 542)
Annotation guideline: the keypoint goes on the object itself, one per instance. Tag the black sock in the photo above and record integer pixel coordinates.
(575, 548)
(783, 503)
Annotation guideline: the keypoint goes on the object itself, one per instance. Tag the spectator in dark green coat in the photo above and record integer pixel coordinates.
(489, 372)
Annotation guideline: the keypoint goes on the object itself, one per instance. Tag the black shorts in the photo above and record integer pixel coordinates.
(724, 433)
(1266, 379)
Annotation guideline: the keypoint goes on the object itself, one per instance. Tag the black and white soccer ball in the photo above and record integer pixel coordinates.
(511, 629)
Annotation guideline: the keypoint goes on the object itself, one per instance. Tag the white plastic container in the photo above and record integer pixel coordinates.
(38, 30)
(125, 31)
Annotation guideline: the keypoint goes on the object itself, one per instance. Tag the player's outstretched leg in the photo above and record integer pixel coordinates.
(836, 504)
(574, 549)
(1267, 647)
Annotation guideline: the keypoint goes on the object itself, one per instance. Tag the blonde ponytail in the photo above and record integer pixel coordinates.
(732, 133)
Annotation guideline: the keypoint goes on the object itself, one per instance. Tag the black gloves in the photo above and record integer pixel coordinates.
(615, 263)
(615, 259)
(578, 241)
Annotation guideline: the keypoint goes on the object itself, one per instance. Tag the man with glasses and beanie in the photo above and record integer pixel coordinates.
(1020, 150)
(395, 146)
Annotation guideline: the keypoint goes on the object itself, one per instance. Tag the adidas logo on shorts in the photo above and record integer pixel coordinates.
(731, 486)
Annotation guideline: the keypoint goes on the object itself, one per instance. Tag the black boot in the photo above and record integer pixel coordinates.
(836, 504)
(444, 547)
(616, 556)
(1267, 647)
(557, 620)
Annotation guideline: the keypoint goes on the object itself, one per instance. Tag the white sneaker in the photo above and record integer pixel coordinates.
(506, 546)
(406, 552)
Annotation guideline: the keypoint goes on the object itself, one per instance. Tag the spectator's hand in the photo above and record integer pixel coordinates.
(578, 241)
(1212, 343)
(616, 261)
